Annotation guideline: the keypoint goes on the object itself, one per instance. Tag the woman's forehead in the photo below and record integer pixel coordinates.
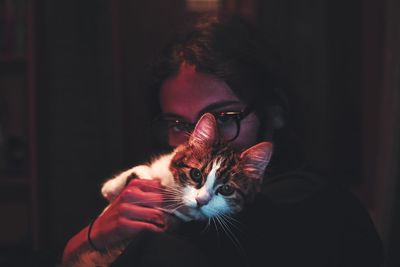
(189, 92)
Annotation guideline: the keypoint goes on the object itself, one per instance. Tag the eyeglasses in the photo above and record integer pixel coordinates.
(177, 131)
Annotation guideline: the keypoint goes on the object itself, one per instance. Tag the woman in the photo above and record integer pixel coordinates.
(300, 219)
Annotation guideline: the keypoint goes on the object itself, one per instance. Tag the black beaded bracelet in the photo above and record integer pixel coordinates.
(93, 246)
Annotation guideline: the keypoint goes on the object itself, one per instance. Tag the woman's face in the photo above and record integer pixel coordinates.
(189, 94)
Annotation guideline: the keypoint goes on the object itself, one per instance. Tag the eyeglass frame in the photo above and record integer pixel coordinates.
(238, 116)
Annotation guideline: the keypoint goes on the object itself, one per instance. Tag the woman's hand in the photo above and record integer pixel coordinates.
(133, 211)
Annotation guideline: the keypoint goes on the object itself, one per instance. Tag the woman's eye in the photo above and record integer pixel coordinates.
(196, 176)
(222, 118)
(226, 190)
(177, 127)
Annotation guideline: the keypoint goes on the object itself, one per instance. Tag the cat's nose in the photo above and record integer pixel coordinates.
(201, 201)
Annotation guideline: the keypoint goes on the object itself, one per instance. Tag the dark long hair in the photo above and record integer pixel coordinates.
(235, 51)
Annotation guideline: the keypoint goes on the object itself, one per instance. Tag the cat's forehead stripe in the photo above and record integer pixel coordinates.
(212, 175)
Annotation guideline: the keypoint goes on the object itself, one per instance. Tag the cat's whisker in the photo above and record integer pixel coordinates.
(225, 220)
(173, 201)
(146, 202)
(172, 192)
(169, 193)
(174, 206)
(214, 218)
(171, 189)
(216, 227)
(207, 226)
(230, 234)
(169, 203)
(172, 196)
(166, 188)
(170, 199)
(223, 227)
(155, 201)
(232, 221)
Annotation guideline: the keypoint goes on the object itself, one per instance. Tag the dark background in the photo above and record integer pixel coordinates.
(86, 114)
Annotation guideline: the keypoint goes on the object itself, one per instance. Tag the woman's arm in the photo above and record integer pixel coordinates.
(132, 212)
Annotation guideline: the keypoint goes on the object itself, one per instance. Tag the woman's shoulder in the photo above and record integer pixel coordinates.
(293, 187)
(303, 187)
(306, 206)
(313, 195)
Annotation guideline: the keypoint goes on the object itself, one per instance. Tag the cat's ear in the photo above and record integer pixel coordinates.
(205, 132)
(255, 159)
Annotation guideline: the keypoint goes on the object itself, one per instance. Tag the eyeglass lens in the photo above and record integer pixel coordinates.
(228, 128)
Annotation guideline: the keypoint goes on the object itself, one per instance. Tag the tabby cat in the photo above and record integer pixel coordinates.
(203, 179)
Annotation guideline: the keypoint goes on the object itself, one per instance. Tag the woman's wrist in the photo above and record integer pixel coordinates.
(90, 241)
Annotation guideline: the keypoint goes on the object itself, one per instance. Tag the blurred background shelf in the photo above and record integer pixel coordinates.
(15, 66)
(19, 203)
(10, 180)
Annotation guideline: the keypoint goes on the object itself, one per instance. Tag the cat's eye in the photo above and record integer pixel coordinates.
(196, 175)
(226, 190)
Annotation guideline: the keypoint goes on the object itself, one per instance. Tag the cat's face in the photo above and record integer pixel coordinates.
(212, 179)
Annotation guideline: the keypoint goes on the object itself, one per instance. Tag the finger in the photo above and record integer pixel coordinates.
(137, 196)
(139, 213)
(146, 185)
(134, 227)
(171, 222)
